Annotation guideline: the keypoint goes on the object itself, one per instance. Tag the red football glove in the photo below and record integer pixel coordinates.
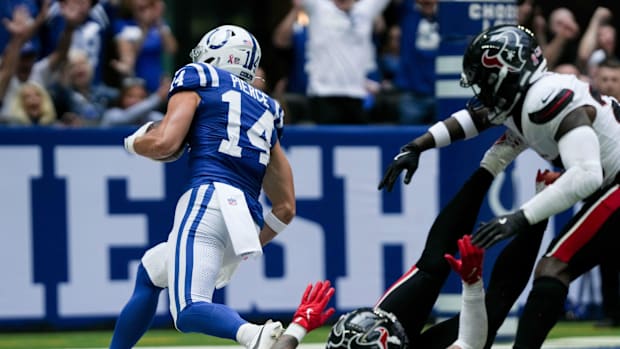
(545, 178)
(469, 267)
(311, 312)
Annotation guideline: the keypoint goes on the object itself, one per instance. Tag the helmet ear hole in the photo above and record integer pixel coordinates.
(209, 60)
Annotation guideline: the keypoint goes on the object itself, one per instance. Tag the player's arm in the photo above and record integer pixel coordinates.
(580, 153)
(473, 326)
(464, 124)
(279, 188)
(20, 27)
(310, 315)
(168, 137)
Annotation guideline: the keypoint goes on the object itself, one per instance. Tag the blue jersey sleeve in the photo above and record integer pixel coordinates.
(194, 76)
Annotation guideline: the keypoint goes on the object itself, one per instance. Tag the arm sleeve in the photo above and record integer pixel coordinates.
(473, 324)
(580, 154)
(460, 125)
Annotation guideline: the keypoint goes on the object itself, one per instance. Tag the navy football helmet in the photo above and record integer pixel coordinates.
(368, 328)
(500, 64)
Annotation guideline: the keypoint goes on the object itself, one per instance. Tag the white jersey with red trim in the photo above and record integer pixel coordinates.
(549, 100)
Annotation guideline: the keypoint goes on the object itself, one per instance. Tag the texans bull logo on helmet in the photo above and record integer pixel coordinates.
(499, 57)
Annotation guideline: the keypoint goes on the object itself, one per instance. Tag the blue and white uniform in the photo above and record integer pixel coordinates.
(230, 138)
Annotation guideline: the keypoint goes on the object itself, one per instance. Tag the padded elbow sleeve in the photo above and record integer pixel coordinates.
(580, 154)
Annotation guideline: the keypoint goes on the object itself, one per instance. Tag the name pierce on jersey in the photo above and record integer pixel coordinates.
(249, 90)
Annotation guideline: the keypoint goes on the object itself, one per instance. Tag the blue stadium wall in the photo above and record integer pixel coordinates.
(78, 211)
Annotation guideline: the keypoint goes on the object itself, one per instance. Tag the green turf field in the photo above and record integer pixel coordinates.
(100, 339)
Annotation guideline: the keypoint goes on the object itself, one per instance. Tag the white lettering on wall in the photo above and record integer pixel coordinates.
(493, 14)
(92, 231)
(368, 229)
(20, 297)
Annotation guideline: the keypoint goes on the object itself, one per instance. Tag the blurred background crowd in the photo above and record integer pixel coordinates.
(77, 63)
(104, 63)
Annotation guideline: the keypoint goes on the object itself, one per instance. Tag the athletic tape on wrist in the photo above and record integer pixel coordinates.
(441, 135)
(129, 140)
(129, 144)
(296, 331)
(274, 222)
(466, 122)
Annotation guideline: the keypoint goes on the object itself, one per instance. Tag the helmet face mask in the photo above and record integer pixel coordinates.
(367, 328)
(230, 48)
(500, 64)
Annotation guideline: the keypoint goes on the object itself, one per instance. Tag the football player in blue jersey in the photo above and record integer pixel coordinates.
(233, 131)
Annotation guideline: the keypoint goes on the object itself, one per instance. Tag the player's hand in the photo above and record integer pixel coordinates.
(469, 267)
(129, 140)
(500, 228)
(407, 159)
(311, 312)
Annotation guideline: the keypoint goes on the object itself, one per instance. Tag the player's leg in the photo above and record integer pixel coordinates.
(137, 315)
(510, 274)
(412, 297)
(200, 243)
(589, 235)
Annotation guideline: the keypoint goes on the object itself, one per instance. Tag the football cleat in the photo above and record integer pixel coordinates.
(267, 335)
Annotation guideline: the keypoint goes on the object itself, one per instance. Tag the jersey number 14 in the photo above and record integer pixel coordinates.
(259, 134)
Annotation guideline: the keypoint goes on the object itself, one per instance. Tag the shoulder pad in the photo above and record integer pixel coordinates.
(194, 76)
(552, 104)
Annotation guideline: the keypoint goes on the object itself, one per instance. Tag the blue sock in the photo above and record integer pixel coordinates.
(137, 315)
(211, 319)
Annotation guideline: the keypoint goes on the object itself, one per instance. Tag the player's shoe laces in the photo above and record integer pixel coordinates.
(502, 153)
(267, 335)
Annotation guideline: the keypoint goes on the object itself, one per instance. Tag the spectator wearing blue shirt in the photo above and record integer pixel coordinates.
(90, 36)
(142, 42)
(418, 50)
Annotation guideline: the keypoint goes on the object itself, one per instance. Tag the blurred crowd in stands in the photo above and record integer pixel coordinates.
(80, 63)
(83, 62)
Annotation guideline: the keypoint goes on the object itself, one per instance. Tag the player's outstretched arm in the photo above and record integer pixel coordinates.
(310, 314)
(464, 124)
(473, 326)
(278, 187)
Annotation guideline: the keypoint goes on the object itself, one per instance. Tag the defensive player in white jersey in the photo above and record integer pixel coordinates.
(232, 130)
(565, 122)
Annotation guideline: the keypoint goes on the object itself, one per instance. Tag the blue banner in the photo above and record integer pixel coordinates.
(78, 212)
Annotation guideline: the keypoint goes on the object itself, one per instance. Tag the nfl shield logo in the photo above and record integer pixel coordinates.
(232, 201)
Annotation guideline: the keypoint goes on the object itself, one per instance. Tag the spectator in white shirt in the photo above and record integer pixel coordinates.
(340, 53)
